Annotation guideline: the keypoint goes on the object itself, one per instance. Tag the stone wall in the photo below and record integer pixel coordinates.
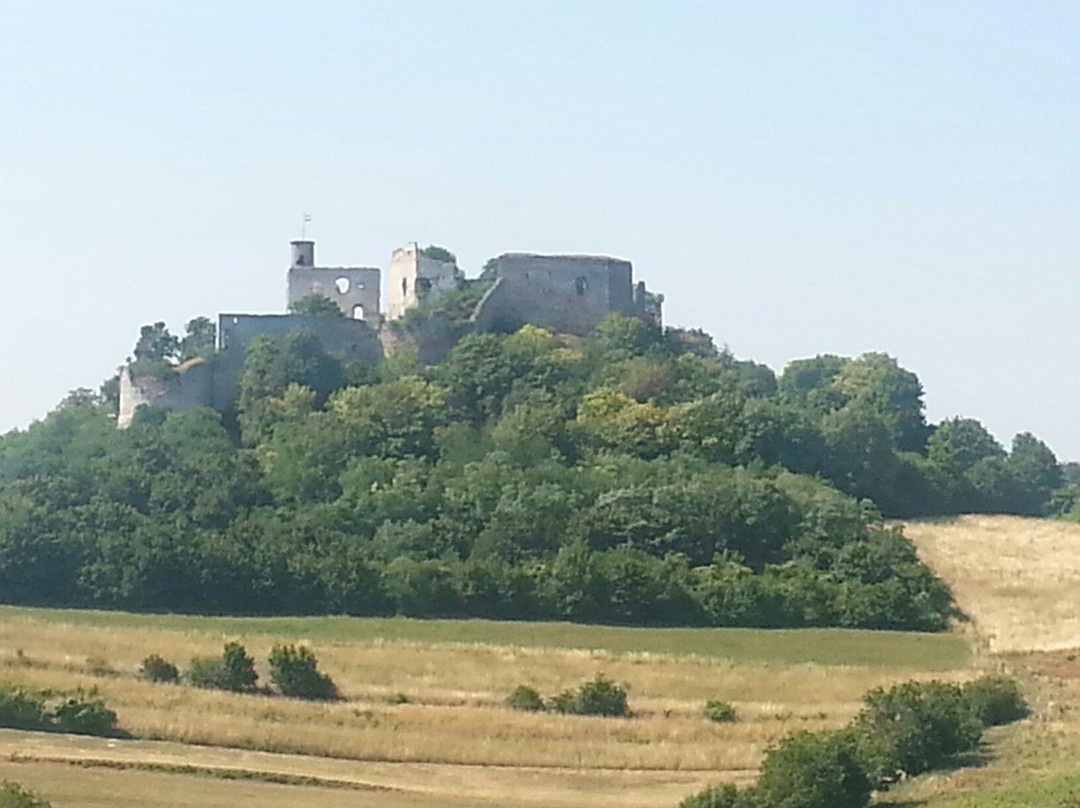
(352, 340)
(413, 278)
(354, 289)
(564, 293)
(190, 385)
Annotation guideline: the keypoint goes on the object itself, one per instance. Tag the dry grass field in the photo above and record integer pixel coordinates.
(451, 739)
(1019, 582)
(422, 721)
(1017, 579)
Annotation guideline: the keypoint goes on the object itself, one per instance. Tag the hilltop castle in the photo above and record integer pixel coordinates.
(567, 294)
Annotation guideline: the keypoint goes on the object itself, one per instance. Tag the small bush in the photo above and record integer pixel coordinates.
(158, 669)
(84, 714)
(295, 672)
(719, 711)
(12, 795)
(22, 709)
(995, 700)
(74, 711)
(914, 727)
(234, 670)
(601, 696)
(525, 698)
(813, 770)
(399, 698)
(723, 796)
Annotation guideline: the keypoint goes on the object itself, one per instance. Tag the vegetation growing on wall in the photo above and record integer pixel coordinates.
(157, 351)
(452, 308)
(633, 476)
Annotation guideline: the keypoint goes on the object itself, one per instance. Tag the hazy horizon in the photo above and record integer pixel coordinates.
(795, 178)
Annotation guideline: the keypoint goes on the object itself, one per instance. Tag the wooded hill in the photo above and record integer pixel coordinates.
(636, 475)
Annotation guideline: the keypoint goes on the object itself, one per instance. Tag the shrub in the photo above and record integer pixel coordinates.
(601, 696)
(234, 670)
(295, 672)
(158, 669)
(914, 727)
(12, 795)
(22, 709)
(813, 770)
(724, 796)
(83, 713)
(75, 711)
(719, 711)
(525, 698)
(995, 700)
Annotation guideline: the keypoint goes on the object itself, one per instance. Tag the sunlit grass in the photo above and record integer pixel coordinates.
(1017, 579)
(454, 686)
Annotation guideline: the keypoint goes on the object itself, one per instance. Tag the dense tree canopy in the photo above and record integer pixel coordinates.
(636, 475)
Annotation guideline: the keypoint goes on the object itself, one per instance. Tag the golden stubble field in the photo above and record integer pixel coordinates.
(451, 739)
(1017, 579)
(1018, 582)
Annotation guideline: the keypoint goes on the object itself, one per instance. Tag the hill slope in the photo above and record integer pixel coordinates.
(1017, 579)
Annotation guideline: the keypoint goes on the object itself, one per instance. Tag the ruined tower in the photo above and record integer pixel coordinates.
(355, 290)
(413, 278)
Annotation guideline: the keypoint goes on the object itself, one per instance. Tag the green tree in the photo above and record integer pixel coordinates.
(156, 344)
(233, 670)
(295, 672)
(876, 381)
(436, 253)
(914, 727)
(199, 340)
(316, 305)
(959, 443)
(1037, 472)
(811, 379)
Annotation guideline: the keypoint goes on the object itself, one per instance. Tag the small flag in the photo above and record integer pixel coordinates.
(307, 217)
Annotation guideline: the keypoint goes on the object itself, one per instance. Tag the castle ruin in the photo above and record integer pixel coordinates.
(568, 294)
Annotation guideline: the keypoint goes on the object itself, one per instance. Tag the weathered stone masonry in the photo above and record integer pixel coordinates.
(567, 294)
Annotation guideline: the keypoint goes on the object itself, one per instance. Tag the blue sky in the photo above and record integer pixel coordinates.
(796, 177)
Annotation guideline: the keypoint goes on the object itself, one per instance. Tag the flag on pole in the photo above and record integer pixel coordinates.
(307, 217)
(303, 225)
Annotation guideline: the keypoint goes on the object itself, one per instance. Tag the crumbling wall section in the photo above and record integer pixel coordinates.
(355, 290)
(352, 340)
(188, 386)
(413, 278)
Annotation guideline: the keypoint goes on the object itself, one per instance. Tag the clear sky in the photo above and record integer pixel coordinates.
(797, 177)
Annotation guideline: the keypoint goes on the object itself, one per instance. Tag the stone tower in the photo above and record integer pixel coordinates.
(414, 278)
(355, 290)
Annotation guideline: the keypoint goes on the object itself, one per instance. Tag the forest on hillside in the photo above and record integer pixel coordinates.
(637, 475)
